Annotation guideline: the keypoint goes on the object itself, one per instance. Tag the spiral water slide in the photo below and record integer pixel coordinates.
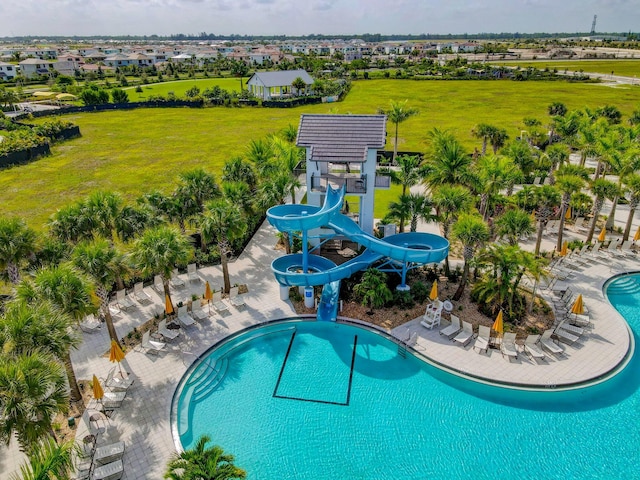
(306, 269)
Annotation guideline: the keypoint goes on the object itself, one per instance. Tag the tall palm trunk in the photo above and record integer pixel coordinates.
(597, 206)
(75, 395)
(103, 295)
(633, 204)
(611, 219)
(13, 271)
(224, 248)
(563, 212)
(467, 255)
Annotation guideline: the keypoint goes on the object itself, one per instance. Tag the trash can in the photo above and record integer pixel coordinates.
(308, 297)
(284, 293)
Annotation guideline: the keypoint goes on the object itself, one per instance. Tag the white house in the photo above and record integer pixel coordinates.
(32, 67)
(8, 71)
(267, 85)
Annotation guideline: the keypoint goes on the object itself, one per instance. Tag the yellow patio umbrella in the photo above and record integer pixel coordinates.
(636, 236)
(434, 291)
(498, 325)
(116, 354)
(568, 214)
(208, 294)
(98, 392)
(603, 235)
(564, 249)
(578, 307)
(168, 307)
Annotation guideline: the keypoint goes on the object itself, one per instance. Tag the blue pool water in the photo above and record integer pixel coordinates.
(332, 411)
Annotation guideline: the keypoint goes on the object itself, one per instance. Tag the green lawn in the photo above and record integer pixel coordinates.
(626, 68)
(179, 87)
(141, 150)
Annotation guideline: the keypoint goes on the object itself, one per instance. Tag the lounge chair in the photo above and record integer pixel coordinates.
(412, 340)
(123, 300)
(482, 340)
(578, 224)
(192, 273)
(184, 318)
(625, 250)
(579, 320)
(453, 329)
(465, 336)
(236, 299)
(508, 345)
(218, 304)
(564, 336)
(578, 331)
(158, 284)
(110, 471)
(90, 324)
(176, 281)
(109, 453)
(532, 348)
(547, 343)
(151, 346)
(612, 249)
(140, 294)
(112, 399)
(165, 332)
(197, 311)
(116, 383)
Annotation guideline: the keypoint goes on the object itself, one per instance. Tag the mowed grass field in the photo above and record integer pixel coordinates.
(141, 150)
(179, 87)
(626, 68)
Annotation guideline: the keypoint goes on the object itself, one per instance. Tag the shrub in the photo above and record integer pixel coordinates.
(403, 299)
(420, 292)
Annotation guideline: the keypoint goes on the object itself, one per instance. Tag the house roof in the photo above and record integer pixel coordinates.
(280, 78)
(341, 138)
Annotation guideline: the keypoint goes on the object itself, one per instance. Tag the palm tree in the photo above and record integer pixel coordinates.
(483, 131)
(632, 184)
(199, 186)
(472, 231)
(450, 201)
(493, 174)
(223, 222)
(521, 154)
(102, 209)
(400, 211)
(71, 293)
(513, 224)
(558, 154)
(625, 160)
(397, 113)
(239, 170)
(568, 184)
(288, 156)
(17, 242)
(498, 138)
(373, 289)
(420, 208)
(447, 162)
(203, 463)
(260, 153)
(101, 261)
(32, 391)
(408, 172)
(601, 189)
(158, 251)
(547, 198)
(239, 193)
(48, 460)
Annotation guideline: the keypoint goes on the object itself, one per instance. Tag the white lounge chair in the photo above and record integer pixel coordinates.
(612, 249)
(465, 336)
(578, 224)
(578, 331)
(625, 250)
(90, 324)
(236, 299)
(184, 318)
(531, 347)
(123, 300)
(110, 471)
(151, 346)
(176, 281)
(565, 337)
(218, 304)
(579, 320)
(453, 329)
(197, 311)
(140, 294)
(547, 343)
(192, 273)
(108, 453)
(158, 284)
(116, 383)
(112, 399)
(508, 345)
(412, 340)
(165, 332)
(482, 340)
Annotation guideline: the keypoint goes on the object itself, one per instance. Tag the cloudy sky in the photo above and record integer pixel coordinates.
(299, 17)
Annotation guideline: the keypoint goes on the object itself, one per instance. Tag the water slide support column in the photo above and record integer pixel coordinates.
(305, 250)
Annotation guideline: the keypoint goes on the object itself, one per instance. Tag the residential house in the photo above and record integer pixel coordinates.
(33, 67)
(270, 85)
(8, 71)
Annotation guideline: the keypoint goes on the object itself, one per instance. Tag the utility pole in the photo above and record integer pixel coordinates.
(593, 25)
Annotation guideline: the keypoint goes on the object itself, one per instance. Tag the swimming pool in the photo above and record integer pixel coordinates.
(315, 400)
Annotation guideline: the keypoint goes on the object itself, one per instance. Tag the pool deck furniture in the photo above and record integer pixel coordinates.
(142, 296)
(176, 281)
(466, 335)
(453, 329)
(110, 471)
(116, 383)
(123, 300)
(236, 299)
(548, 344)
(158, 284)
(198, 312)
(166, 333)
(151, 346)
(90, 324)
(532, 348)
(108, 453)
(185, 319)
(192, 273)
(218, 304)
(483, 338)
(508, 345)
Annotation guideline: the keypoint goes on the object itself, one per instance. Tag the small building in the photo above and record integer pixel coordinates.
(341, 150)
(270, 85)
(8, 71)
(34, 67)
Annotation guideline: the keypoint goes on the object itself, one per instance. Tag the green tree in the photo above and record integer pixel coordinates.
(239, 170)
(17, 242)
(601, 189)
(299, 84)
(223, 222)
(472, 231)
(397, 113)
(557, 108)
(420, 208)
(199, 187)
(632, 185)
(447, 162)
(373, 289)
(119, 96)
(48, 460)
(158, 251)
(493, 174)
(408, 172)
(483, 131)
(203, 463)
(568, 184)
(513, 224)
(547, 198)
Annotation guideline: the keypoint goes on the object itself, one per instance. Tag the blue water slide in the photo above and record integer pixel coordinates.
(297, 217)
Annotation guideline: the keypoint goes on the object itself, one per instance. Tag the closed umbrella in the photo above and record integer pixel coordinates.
(168, 307)
(603, 235)
(434, 291)
(568, 214)
(116, 355)
(98, 392)
(498, 325)
(208, 294)
(578, 307)
(564, 249)
(636, 237)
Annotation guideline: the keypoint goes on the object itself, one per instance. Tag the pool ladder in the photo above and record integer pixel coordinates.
(402, 350)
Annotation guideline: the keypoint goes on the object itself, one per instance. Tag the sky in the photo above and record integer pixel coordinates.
(303, 17)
